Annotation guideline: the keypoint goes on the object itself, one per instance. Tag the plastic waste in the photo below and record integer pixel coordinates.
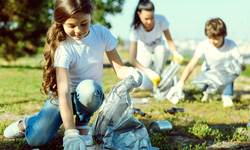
(115, 127)
(219, 77)
(137, 111)
(140, 100)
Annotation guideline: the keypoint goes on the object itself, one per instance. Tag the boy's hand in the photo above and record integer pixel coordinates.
(177, 57)
(153, 76)
(136, 75)
(178, 88)
(73, 141)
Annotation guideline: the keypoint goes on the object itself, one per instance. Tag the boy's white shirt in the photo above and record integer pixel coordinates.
(84, 58)
(146, 41)
(214, 56)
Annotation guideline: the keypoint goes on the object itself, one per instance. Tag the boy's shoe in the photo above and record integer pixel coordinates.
(227, 101)
(207, 97)
(88, 139)
(13, 131)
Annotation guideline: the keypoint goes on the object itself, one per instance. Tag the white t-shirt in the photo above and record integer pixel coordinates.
(84, 58)
(148, 40)
(214, 56)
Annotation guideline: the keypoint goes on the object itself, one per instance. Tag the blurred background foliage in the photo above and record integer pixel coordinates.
(24, 23)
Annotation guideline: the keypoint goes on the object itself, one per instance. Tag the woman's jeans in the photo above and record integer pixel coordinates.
(42, 127)
(157, 60)
(228, 91)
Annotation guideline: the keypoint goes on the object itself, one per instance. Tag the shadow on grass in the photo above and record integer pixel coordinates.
(20, 66)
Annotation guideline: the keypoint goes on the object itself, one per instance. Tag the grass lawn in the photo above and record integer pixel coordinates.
(200, 126)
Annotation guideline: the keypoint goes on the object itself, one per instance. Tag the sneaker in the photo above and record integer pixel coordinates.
(13, 131)
(88, 139)
(227, 101)
(207, 97)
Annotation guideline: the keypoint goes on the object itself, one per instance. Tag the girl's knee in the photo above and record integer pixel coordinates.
(36, 141)
(89, 93)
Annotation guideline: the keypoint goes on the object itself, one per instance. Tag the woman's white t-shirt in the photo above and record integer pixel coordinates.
(84, 58)
(148, 40)
(214, 56)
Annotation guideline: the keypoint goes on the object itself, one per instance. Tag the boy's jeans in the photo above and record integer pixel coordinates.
(86, 100)
(228, 91)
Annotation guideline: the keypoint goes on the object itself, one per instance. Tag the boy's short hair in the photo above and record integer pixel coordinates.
(215, 27)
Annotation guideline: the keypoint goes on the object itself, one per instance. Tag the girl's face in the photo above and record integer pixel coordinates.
(147, 19)
(216, 41)
(78, 25)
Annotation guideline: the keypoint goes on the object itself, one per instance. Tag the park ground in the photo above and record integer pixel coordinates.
(200, 126)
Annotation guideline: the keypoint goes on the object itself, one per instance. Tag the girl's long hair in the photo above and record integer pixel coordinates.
(142, 5)
(63, 10)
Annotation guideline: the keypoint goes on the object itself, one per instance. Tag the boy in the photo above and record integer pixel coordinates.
(216, 49)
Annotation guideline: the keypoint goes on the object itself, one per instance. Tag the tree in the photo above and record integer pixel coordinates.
(105, 7)
(24, 23)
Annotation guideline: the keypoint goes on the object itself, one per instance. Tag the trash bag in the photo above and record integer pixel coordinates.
(169, 79)
(219, 77)
(115, 127)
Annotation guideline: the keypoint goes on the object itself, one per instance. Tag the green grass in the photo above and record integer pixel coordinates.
(199, 124)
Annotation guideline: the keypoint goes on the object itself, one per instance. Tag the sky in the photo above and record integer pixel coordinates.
(187, 18)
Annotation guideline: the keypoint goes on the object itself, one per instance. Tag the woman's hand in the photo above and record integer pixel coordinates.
(153, 76)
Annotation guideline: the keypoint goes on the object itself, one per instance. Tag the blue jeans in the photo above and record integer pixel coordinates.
(228, 91)
(41, 128)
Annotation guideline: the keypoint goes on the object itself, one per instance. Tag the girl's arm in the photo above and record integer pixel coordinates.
(117, 64)
(133, 54)
(189, 68)
(64, 98)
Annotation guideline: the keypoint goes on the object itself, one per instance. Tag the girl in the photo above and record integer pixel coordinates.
(146, 45)
(216, 50)
(72, 77)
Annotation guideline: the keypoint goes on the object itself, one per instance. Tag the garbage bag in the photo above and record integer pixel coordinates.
(115, 127)
(219, 77)
(169, 79)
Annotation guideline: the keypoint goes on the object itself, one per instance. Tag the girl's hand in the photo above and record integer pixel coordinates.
(136, 75)
(73, 141)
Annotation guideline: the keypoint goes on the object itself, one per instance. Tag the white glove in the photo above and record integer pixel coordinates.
(73, 141)
(177, 57)
(178, 88)
(153, 76)
(136, 75)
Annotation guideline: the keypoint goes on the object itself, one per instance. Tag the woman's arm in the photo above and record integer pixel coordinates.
(64, 98)
(133, 54)
(171, 44)
(189, 68)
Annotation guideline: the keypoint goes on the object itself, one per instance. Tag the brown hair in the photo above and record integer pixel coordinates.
(215, 27)
(63, 10)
